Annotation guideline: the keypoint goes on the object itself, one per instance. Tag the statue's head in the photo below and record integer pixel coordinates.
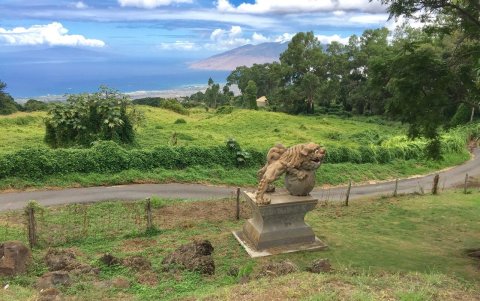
(313, 154)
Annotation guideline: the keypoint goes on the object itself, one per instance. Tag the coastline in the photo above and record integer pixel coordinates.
(181, 91)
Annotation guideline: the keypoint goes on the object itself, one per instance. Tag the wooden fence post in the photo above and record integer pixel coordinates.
(148, 211)
(237, 215)
(348, 192)
(396, 188)
(466, 184)
(435, 184)
(32, 230)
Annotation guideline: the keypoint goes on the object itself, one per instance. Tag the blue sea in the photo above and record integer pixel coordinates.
(33, 77)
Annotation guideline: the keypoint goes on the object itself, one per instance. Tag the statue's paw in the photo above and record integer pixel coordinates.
(262, 200)
(301, 175)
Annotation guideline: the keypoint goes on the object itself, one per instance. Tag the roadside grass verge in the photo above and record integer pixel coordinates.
(404, 248)
(328, 174)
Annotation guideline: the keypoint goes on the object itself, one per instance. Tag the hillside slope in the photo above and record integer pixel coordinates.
(246, 55)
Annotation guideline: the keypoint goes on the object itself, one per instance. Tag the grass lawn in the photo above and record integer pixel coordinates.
(405, 248)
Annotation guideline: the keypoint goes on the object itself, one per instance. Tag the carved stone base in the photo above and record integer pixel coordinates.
(279, 227)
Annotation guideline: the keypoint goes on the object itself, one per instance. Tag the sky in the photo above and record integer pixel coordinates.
(188, 28)
(55, 47)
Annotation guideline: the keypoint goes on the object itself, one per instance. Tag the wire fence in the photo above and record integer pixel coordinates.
(63, 225)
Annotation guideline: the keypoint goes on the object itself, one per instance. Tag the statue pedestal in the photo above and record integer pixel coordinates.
(278, 227)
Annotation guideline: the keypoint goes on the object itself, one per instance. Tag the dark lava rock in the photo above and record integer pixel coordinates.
(58, 260)
(195, 256)
(14, 258)
(320, 266)
(110, 260)
(53, 279)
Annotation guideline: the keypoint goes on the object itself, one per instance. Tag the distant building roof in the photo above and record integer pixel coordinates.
(262, 101)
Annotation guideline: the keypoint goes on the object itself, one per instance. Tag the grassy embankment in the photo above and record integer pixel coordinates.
(405, 248)
(252, 129)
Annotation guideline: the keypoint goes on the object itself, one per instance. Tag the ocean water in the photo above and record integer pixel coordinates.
(40, 78)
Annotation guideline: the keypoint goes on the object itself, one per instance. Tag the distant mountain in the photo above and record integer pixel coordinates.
(56, 54)
(246, 55)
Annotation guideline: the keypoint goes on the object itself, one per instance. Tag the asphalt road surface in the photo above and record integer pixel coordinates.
(448, 178)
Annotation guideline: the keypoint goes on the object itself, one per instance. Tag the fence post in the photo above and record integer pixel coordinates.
(466, 184)
(237, 215)
(148, 211)
(396, 188)
(32, 231)
(348, 192)
(435, 184)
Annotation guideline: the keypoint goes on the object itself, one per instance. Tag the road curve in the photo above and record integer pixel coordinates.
(16, 200)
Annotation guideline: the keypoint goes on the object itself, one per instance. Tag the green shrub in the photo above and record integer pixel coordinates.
(367, 154)
(85, 118)
(180, 120)
(383, 154)
(225, 110)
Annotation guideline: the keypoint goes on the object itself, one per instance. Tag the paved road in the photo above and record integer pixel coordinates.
(16, 200)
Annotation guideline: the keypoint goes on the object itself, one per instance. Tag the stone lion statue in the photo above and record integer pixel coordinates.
(299, 162)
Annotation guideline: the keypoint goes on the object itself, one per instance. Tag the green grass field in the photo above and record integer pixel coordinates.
(405, 248)
(257, 130)
(252, 129)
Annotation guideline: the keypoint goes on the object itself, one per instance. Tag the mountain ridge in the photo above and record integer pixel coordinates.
(245, 55)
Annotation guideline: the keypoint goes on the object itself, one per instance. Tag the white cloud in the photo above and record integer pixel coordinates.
(299, 6)
(80, 5)
(259, 38)
(284, 38)
(179, 45)
(333, 38)
(150, 3)
(227, 39)
(53, 34)
(369, 19)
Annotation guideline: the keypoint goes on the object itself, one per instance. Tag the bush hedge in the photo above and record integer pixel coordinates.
(107, 156)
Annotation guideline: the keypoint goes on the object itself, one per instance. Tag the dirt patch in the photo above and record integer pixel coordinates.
(182, 214)
(147, 278)
(137, 263)
(137, 244)
(196, 256)
(276, 269)
(50, 294)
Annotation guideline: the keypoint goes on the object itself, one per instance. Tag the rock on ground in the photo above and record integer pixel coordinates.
(53, 279)
(109, 260)
(320, 266)
(65, 260)
(195, 256)
(14, 258)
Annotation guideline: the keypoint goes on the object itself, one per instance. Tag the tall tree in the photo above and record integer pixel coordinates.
(7, 104)
(303, 56)
(250, 95)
